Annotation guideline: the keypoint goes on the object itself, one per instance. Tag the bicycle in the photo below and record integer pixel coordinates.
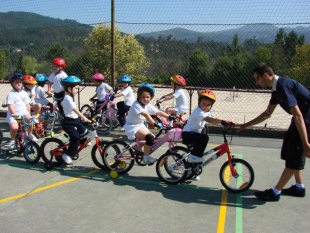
(236, 175)
(46, 123)
(119, 156)
(52, 149)
(23, 145)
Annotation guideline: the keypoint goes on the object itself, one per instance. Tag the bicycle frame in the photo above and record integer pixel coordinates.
(21, 139)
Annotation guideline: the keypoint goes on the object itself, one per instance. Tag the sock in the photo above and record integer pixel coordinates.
(300, 186)
(276, 191)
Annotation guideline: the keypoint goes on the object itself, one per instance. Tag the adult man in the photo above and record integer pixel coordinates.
(294, 98)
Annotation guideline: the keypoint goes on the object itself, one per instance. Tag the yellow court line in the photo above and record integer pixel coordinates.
(46, 187)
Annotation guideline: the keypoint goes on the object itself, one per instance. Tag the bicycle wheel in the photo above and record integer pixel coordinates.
(1, 136)
(45, 151)
(105, 124)
(96, 156)
(170, 168)
(242, 181)
(122, 164)
(20, 142)
(86, 110)
(32, 152)
(183, 151)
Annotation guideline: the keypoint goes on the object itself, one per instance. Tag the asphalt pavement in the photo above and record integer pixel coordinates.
(82, 198)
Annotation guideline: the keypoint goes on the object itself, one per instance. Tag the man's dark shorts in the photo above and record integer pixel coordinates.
(292, 151)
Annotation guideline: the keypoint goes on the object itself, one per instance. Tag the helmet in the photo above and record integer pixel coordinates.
(70, 81)
(98, 76)
(15, 76)
(41, 78)
(208, 93)
(59, 62)
(178, 79)
(28, 79)
(125, 79)
(146, 87)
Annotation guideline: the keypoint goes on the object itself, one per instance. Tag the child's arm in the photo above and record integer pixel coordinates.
(214, 121)
(11, 108)
(166, 97)
(85, 119)
(148, 118)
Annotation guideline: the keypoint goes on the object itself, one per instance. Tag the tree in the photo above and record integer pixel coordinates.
(3, 63)
(129, 54)
(56, 50)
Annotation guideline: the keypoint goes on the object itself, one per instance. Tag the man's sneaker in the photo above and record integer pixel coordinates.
(10, 145)
(294, 191)
(267, 195)
(66, 158)
(194, 159)
(32, 137)
(148, 160)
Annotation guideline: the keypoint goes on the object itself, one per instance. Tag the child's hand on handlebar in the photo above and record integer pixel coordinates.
(171, 118)
(227, 124)
(158, 125)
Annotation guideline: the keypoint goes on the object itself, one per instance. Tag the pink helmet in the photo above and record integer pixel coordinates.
(98, 76)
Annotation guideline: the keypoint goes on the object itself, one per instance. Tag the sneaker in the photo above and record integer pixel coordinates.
(32, 137)
(267, 195)
(194, 159)
(195, 178)
(66, 158)
(148, 160)
(35, 120)
(294, 191)
(10, 145)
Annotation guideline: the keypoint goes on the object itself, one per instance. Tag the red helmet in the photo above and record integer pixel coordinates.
(28, 79)
(98, 76)
(178, 79)
(208, 93)
(59, 62)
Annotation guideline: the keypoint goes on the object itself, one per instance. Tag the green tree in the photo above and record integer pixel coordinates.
(56, 50)
(3, 64)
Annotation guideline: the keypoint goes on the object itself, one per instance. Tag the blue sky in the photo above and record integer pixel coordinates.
(222, 13)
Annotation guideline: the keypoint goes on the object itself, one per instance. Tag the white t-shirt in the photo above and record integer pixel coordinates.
(102, 90)
(134, 116)
(128, 95)
(31, 92)
(55, 79)
(195, 122)
(181, 101)
(68, 105)
(19, 100)
(40, 96)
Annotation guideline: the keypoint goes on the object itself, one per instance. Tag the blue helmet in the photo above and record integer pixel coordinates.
(15, 76)
(125, 79)
(146, 87)
(70, 81)
(41, 78)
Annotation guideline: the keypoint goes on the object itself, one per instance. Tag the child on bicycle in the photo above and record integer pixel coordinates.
(29, 82)
(192, 130)
(177, 83)
(140, 111)
(124, 106)
(18, 104)
(40, 95)
(54, 80)
(72, 124)
(101, 90)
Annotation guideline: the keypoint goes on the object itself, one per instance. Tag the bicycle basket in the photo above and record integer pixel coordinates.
(175, 134)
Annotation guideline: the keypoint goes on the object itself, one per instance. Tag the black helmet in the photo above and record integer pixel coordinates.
(15, 76)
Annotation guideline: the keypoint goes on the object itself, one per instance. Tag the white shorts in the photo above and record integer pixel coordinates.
(180, 110)
(11, 119)
(131, 130)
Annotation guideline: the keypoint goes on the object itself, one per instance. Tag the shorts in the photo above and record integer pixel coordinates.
(292, 151)
(131, 130)
(11, 119)
(180, 110)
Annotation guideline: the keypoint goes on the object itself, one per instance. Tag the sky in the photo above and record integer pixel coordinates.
(138, 16)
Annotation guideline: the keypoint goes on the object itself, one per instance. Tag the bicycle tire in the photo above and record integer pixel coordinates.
(244, 179)
(1, 136)
(111, 150)
(32, 152)
(170, 168)
(20, 142)
(87, 111)
(105, 124)
(96, 156)
(45, 151)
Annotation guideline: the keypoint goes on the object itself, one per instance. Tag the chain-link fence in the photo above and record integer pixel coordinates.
(215, 54)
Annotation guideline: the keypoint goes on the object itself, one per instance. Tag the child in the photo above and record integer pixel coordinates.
(101, 90)
(54, 79)
(138, 113)
(18, 104)
(192, 130)
(124, 106)
(71, 123)
(29, 82)
(177, 82)
(40, 96)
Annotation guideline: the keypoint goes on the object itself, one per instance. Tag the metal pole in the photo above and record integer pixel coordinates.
(113, 43)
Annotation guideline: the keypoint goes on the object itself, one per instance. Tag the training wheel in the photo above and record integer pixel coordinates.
(75, 157)
(52, 134)
(49, 166)
(113, 174)
(122, 165)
